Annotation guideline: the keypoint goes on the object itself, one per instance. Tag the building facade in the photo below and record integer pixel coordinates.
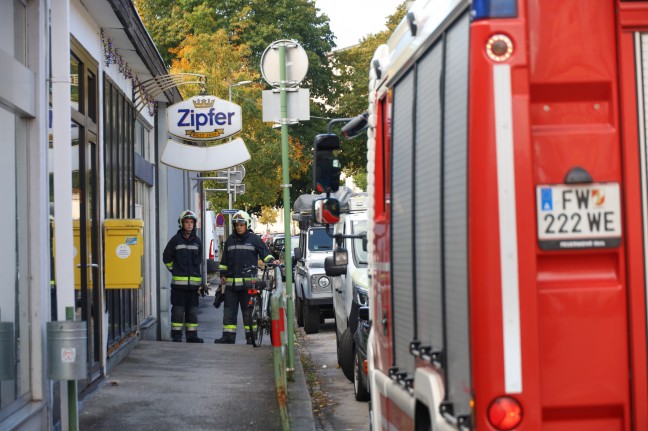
(81, 126)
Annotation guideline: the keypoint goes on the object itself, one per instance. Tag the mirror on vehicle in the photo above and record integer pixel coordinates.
(333, 270)
(340, 257)
(356, 126)
(326, 210)
(326, 169)
(298, 253)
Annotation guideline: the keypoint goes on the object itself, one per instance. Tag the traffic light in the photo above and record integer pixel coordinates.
(326, 169)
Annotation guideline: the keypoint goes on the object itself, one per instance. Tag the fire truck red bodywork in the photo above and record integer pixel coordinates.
(561, 329)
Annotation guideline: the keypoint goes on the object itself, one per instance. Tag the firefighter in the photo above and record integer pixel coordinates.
(183, 257)
(238, 265)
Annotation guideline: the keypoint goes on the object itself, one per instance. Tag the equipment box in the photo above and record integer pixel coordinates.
(124, 250)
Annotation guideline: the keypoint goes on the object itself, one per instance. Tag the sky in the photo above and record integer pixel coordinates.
(353, 19)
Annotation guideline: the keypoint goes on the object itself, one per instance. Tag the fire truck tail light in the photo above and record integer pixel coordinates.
(505, 413)
(499, 47)
(494, 9)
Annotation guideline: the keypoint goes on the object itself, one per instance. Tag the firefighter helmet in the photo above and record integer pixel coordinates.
(241, 216)
(187, 214)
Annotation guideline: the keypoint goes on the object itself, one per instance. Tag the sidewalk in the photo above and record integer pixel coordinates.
(178, 386)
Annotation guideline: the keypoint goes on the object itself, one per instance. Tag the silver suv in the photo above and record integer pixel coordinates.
(313, 294)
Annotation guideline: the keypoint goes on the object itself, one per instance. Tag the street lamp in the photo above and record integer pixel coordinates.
(236, 85)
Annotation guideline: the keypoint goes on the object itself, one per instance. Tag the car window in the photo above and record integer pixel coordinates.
(319, 240)
(359, 253)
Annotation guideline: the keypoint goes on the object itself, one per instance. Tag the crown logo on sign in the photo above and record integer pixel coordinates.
(203, 103)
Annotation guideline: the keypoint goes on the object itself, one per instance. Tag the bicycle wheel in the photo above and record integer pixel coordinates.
(257, 321)
(267, 309)
(250, 314)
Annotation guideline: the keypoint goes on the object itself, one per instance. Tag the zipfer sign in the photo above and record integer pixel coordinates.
(204, 118)
(578, 216)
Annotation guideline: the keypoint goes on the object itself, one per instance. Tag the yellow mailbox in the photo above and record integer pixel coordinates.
(76, 229)
(123, 249)
(77, 248)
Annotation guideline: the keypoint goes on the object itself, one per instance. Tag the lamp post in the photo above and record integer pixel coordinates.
(237, 85)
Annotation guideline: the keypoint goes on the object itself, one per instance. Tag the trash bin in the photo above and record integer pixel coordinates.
(7, 351)
(67, 354)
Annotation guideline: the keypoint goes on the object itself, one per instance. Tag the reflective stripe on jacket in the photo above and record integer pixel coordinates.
(240, 257)
(183, 257)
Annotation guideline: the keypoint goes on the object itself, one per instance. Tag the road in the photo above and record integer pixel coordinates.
(334, 405)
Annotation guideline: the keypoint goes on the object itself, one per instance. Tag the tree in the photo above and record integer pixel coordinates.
(352, 74)
(225, 41)
(268, 216)
(253, 23)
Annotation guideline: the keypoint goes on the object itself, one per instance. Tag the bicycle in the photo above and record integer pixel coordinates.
(259, 305)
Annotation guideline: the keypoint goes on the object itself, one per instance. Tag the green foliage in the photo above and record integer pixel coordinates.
(360, 179)
(268, 216)
(352, 74)
(253, 23)
(225, 40)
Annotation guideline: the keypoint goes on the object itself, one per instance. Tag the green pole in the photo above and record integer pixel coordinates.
(286, 203)
(73, 413)
(279, 366)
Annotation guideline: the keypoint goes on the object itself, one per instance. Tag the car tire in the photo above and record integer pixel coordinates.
(311, 318)
(337, 342)
(347, 350)
(359, 387)
(299, 313)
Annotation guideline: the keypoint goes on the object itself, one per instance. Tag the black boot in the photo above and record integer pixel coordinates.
(249, 339)
(176, 336)
(225, 340)
(192, 337)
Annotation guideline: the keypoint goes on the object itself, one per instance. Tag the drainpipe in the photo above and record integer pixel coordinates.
(62, 159)
(158, 256)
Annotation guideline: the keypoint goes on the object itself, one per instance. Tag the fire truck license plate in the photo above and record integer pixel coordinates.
(578, 216)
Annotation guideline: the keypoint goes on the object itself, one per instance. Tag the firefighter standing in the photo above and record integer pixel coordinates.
(183, 257)
(238, 265)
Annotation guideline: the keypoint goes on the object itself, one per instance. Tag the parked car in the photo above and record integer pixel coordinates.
(350, 281)
(313, 294)
(278, 241)
(294, 241)
(265, 237)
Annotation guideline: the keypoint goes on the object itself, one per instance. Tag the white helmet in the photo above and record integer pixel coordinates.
(185, 215)
(242, 215)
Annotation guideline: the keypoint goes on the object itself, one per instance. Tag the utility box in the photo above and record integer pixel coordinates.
(124, 250)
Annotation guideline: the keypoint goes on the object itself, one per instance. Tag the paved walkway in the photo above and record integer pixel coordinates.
(179, 386)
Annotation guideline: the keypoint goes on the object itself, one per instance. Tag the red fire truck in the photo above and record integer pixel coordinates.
(507, 172)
